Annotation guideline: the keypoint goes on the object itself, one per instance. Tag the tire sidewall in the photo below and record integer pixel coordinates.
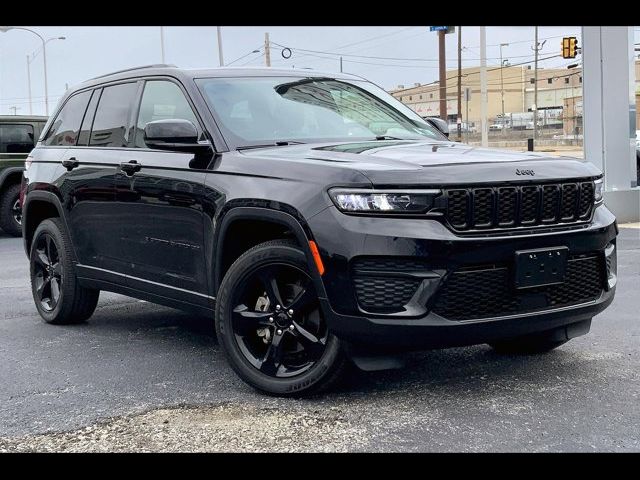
(236, 274)
(51, 228)
(9, 197)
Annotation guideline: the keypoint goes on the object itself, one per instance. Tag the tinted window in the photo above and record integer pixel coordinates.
(85, 129)
(110, 126)
(162, 100)
(16, 138)
(65, 128)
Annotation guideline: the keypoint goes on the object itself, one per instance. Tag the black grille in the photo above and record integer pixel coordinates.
(519, 206)
(382, 294)
(488, 292)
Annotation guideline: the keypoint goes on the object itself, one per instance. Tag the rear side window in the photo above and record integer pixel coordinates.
(16, 138)
(65, 128)
(162, 100)
(110, 125)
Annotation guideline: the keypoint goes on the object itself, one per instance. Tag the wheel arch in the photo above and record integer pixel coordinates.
(294, 224)
(10, 176)
(38, 206)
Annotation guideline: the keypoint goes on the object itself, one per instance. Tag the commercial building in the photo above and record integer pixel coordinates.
(514, 83)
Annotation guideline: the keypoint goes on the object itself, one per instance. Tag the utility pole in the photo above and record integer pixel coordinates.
(460, 84)
(220, 57)
(535, 89)
(483, 87)
(502, 85)
(443, 75)
(340, 64)
(267, 51)
(162, 43)
(29, 85)
(14, 109)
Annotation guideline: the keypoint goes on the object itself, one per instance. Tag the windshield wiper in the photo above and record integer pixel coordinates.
(389, 137)
(280, 143)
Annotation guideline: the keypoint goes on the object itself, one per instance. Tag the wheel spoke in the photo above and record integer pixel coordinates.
(47, 250)
(305, 300)
(55, 292)
(44, 290)
(268, 279)
(273, 358)
(247, 320)
(308, 340)
(41, 258)
(57, 269)
(40, 284)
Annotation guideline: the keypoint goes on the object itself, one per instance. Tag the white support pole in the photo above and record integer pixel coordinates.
(608, 80)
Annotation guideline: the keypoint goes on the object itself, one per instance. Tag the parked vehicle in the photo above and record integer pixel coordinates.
(18, 136)
(318, 220)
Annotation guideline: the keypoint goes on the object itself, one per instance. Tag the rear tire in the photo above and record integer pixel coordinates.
(10, 215)
(283, 353)
(58, 296)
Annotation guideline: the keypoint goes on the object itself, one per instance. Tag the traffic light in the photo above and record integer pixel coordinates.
(569, 47)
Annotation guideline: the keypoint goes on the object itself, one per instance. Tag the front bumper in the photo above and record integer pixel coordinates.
(343, 238)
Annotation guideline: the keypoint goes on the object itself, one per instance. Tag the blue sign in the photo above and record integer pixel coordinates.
(435, 29)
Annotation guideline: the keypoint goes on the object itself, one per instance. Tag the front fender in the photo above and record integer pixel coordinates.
(274, 213)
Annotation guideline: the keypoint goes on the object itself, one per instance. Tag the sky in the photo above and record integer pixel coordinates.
(409, 54)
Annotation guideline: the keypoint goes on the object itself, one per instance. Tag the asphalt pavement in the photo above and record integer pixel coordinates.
(139, 376)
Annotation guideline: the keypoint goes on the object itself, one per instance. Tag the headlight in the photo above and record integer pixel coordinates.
(599, 190)
(387, 201)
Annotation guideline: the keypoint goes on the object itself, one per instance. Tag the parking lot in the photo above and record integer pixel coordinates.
(143, 377)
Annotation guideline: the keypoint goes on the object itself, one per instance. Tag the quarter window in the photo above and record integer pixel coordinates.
(162, 100)
(16, 138)
(65, 128)
(110, 126)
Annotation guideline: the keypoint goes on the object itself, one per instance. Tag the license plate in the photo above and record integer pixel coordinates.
(543, 266)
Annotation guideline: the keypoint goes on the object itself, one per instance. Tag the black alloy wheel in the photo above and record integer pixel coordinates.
(16, 212)
(270, 325)
(277, 322)
(48, 272)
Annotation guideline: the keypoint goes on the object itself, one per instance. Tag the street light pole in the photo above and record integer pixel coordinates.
(162, 44)
(44, 59)
(31, 59)
(220, 57)
(29, 85)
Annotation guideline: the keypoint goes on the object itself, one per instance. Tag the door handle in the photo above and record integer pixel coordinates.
(70, 163)
(130, 167)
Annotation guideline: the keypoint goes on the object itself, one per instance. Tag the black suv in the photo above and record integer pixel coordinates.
(320, 221)
(18, 136)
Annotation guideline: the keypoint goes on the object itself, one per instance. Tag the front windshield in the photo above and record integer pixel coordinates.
(265, 110)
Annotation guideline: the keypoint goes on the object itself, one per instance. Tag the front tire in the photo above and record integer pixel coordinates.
(270, 326)
(58, 296)
(10, 212)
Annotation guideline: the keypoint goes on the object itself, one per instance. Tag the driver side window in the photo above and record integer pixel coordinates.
(162, 100)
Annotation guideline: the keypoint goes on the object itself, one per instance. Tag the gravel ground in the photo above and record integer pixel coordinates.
(140, 377)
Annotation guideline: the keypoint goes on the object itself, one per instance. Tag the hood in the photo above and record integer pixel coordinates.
(387, 162)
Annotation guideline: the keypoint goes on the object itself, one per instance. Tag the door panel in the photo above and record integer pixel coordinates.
(88, 192)
(161, 224)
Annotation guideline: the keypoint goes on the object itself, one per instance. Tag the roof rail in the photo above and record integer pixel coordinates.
(154, 65)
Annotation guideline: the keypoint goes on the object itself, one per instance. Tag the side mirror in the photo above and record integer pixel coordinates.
(175, 135)
(439, 124)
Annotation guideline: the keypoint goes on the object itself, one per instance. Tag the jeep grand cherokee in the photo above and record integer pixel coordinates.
(318, 220)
